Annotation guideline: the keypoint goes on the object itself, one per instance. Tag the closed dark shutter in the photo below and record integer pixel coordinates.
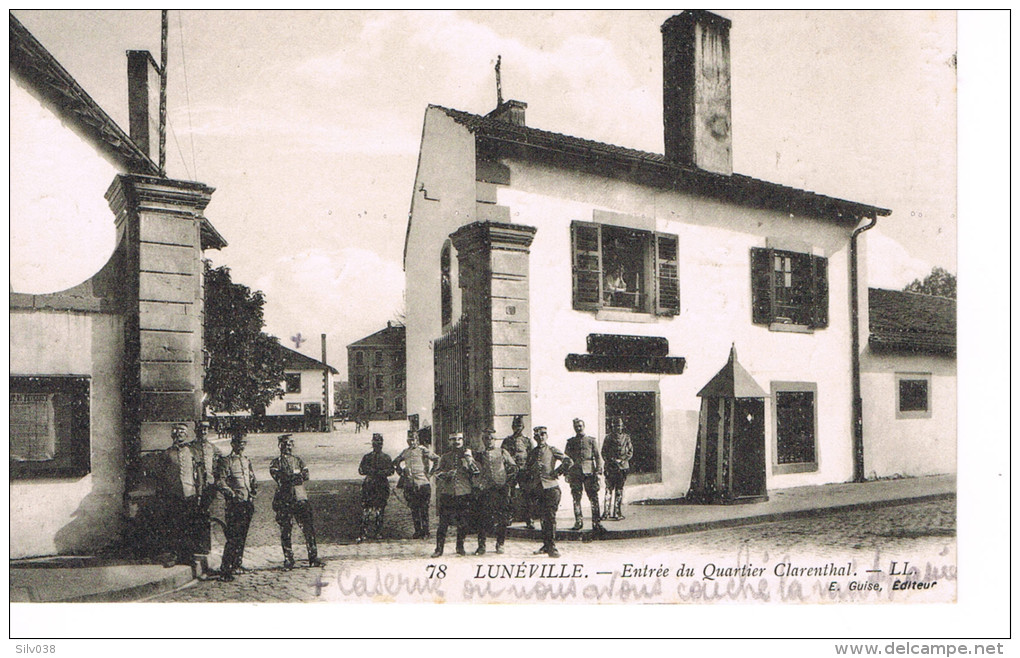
(820, 297)
(761, 285)
(667, 299)
(586, 241)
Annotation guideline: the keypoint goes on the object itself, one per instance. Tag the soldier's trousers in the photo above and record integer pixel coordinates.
(300, 511)
(238, 513)
(418, 498)
(589, 484)
(493, 509)
(453, 510)
(547, 502)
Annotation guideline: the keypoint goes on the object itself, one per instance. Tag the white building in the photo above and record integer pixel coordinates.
(555, 277)
(908, 381)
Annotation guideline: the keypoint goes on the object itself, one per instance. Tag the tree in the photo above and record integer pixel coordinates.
(939, 282)
(245, 365)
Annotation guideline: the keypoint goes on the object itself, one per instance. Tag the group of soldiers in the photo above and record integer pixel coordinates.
(481, 493)
(193, 472)
(487, 491)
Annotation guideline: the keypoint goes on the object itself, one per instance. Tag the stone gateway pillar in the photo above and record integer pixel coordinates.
(160, 230)
(493, 262)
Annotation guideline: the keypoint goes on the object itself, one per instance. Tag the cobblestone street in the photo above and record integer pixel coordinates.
(927, 527)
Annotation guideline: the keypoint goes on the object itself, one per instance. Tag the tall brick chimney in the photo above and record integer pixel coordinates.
(696, 91)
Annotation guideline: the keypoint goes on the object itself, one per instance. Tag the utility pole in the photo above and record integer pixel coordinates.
(162, 93)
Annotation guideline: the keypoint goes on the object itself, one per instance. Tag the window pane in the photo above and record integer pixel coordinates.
(624, 252)
(793, 288)
(293, 382)
(913, 395)
(795, 427)
(32, 427)
(638, 412)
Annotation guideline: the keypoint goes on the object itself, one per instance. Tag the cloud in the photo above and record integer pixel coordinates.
(890, 265)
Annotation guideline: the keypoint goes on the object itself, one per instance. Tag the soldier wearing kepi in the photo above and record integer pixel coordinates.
(542, 473)
(180, 499)
(617, 451)
(376, 466)
(204, 456)
(519, 445)
(290, 502)
(415, 465)
(237, 483)
(454, 483)
(496, 469)
(583, 476)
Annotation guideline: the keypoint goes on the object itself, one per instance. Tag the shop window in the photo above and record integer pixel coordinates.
(913, 395)
(789, 289)
(617, 268)
(49, 427)
(794, 410)
(293, 406)
(292, 381)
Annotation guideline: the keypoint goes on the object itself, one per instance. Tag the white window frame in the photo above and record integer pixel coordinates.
(642, 386)
(799, 467)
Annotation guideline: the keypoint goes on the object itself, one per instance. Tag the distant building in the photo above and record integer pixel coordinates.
(377, 375)
(908, 384)
(307, 404)
(99, 372)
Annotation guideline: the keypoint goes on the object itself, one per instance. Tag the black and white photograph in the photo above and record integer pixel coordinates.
(585, 308)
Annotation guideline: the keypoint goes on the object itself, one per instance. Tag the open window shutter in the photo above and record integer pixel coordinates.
(761, 285)
(667, 298)
(586, 240)
(820, 297)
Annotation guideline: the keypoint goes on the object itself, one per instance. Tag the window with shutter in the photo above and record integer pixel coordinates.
(789, 289)
(667, 298)
(625, 269)
(587, 247)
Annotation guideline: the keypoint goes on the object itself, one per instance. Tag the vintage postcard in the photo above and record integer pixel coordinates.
(562, 307)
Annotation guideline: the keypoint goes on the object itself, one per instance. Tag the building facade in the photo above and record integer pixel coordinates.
(100, 371)
(377, 376)
(307, 403)
(908, 380)
(557, 277)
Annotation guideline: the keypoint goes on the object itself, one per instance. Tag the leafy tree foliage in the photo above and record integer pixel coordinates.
(245, 365)
(939, 282)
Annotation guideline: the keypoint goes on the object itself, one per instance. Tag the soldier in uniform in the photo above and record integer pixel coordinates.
(496, 469)
(180, 499)
(519, 445)
(238, 485)
(583, 476)
(454, 484)
(291, 501)
(376, 466)
(542, 473)
(415, 465)
(617, 451)
(204, 456)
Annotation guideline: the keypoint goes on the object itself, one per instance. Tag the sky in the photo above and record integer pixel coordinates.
(308, 125)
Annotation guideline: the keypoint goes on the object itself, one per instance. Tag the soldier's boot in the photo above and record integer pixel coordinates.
(440, 543)
(596, 516)
(618, 513)
(607, 505)
(578, 519)
(313, 553)
(288, 558)
(425, 532)
(378, 525)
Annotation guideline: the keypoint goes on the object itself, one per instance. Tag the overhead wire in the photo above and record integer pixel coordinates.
(187, 95)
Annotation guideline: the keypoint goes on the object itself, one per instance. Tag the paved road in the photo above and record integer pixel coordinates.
(926, 528)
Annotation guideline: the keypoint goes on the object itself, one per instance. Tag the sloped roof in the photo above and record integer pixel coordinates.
(293, 360)
(37, 67)
(911, 322)
(391, 336)
(655, 169)
(732, 382)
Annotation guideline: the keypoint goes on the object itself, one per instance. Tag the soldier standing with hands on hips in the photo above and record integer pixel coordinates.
(238, 485)
(583, 476)
(291, 501)
(415, 465)
(519, 445)
(496, 469)
(542, 473)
